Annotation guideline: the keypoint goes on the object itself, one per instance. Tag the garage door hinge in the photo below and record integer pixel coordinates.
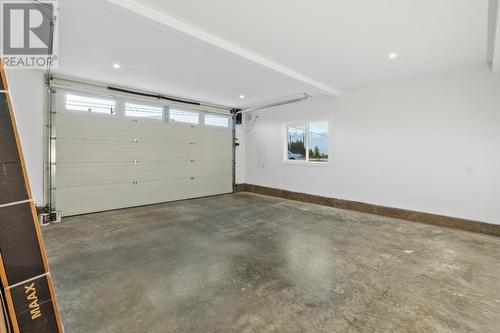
(192, 161)
(192, 178)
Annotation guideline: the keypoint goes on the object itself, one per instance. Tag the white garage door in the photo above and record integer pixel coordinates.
(114, 153)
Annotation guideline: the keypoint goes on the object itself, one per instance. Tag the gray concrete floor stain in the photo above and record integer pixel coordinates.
(250, 263)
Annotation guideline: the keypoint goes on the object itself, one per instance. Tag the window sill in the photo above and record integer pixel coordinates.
(307, 163)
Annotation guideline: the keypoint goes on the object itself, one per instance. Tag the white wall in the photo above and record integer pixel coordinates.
(27, 89)
(427, 144)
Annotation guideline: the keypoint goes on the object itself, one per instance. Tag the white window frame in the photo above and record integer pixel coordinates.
(120, 109)
(307, 162)
(171, 121)
(65, 94)
(228, 117)
(139, 102)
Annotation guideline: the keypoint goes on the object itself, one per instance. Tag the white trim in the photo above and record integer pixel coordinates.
(307, 163)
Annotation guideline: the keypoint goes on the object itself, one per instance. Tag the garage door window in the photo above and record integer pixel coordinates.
(90, 104)
(183, 116)
(216, 120)
(143, 111)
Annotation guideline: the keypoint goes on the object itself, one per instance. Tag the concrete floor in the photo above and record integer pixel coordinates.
(249, 263)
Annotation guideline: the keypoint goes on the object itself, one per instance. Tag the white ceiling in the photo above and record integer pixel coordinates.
(271, 48)
(345, 43)
(94, 36)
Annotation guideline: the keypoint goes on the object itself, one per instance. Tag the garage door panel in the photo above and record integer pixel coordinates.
(167, 132)
(110, 161)
(205, 186)
(87, 124)
(161, 151)
(212, 168)
(92, 174)
(106, 174)
(215, 135)
(81, 200)
(206, 152)
(90, 151)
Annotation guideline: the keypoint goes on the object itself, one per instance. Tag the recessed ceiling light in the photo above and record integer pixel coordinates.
(393, 56)
(116, 66)
(242, 96)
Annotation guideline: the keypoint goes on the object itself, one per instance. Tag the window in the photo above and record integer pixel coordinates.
(318, 141)
(296, 142)
(184, 116)
(313, 136)
(216, 120)
(90, 104)
(143, 111)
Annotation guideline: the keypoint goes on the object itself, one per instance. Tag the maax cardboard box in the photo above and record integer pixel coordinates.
(34, 307)
(26, 284)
